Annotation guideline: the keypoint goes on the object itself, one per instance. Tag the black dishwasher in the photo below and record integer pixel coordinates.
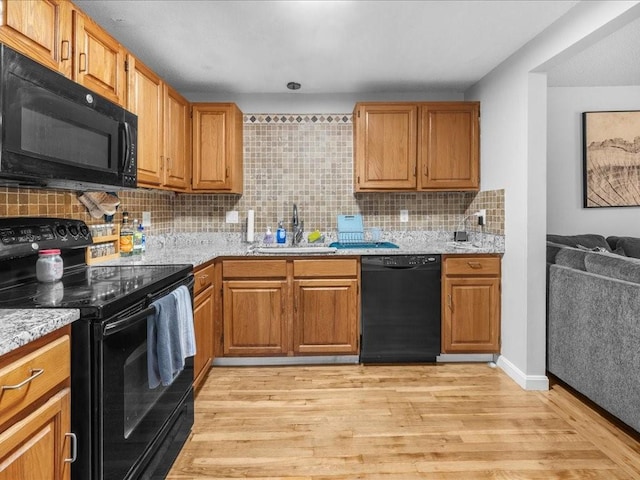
(400, 309)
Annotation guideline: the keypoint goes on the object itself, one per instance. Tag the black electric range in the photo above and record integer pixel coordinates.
(125, 428)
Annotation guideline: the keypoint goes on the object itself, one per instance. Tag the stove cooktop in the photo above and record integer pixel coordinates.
(96, 287)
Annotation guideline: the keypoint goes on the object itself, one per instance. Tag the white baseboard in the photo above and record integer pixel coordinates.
(527, 382)
(465, 357)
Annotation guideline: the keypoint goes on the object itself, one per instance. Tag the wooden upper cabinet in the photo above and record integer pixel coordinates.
(144, 95)
(40, 29)
(448, 146)
(430, 146)
(98, 59)
(217, 148)
(177, 140)
(385, 146)
(163, 129)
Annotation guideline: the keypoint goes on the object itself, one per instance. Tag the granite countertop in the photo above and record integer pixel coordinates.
(19, 327)
(200, 248)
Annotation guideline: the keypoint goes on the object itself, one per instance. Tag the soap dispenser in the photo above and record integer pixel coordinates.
(281, 233)
(268, 236)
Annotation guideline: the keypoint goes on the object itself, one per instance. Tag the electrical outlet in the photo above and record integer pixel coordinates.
(233, 217)
(404, 216)
(146, 219)
(482, 217)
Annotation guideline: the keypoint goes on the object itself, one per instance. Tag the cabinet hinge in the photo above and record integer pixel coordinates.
(126, 66)
(358, 179)
(358, 113)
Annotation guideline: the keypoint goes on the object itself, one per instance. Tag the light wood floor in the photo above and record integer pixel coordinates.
(453, 421)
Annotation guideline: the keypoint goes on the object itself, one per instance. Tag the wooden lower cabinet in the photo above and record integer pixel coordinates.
(276, 307)
(471, 304)
(203, 319)
(255, 317)
(35, 410)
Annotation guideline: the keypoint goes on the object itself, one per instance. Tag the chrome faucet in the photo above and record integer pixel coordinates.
(297, 227)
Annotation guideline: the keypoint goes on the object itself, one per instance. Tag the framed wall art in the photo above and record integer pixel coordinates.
(611, 159)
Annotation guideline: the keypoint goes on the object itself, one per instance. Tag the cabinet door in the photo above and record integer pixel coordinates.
(385, 147)
(325, 316)
(203, 326)
(144, 98)
(36, 447)
(448, 146)
(98, 59)
(217, 148)
(471, 315)
(255, 317)
(41, 29)
(176, 138)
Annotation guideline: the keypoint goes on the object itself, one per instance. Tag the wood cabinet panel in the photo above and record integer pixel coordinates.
(427, 146)
(255, 315)
(254, 268)
(47, 367)
(98, 59)
(217, 148)
(471, 305)
(385, 146)
(36, 447)
(145, 99)
(448, 146)
(325, 268)
(324, 313)
(203, 328)
(41, 29)
(203, 278)
(177, 138)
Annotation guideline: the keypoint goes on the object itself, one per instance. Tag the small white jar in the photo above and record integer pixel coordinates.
(49, 266)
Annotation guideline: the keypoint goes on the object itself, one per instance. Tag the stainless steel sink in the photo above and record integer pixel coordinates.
(297, 250)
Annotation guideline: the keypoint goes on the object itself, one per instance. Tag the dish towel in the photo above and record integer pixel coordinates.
(170, 337)
(185, 321)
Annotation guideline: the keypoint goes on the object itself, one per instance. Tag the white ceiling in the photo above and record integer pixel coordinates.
(254, 47)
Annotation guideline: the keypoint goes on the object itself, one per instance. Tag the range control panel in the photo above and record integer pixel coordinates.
(26, 235)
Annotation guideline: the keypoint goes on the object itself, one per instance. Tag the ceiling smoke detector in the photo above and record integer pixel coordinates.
(293, 86)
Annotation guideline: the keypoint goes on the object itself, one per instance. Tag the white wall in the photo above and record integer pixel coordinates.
(565, 214)
(513, 152)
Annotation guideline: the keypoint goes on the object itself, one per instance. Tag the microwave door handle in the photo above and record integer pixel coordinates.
(127, 146)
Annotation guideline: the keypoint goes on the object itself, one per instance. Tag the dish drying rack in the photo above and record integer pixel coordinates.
(351, 230)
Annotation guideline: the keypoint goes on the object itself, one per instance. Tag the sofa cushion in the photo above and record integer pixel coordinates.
(589, 240)
(613, 266)
(628, 246)
(572, 258)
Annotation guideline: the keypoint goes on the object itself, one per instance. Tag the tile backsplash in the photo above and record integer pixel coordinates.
(302, 159)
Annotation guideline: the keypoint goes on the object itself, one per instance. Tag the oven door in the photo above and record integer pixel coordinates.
(129, 415)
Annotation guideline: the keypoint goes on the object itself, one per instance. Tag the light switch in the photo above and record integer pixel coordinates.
(404, 216)
(146, 219)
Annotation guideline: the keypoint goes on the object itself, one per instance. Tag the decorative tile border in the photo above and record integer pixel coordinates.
(296, 119)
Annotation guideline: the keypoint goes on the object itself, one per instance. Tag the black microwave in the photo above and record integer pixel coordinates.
(57, 134)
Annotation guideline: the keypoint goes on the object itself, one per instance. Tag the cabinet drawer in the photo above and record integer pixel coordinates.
(325, 268)
(472, 266)
(254, 268)
(203, 278)
(27, 379)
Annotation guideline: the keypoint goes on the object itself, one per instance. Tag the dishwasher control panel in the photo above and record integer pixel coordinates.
(401, 260)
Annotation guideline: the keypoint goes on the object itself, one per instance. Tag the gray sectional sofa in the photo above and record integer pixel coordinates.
(593, 321)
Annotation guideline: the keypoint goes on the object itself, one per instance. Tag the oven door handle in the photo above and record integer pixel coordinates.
(119, 325)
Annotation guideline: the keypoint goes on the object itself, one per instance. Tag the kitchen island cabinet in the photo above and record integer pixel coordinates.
(35, 438)
(471, 304)
(426, 146)
(217, 148)
(278, 307)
